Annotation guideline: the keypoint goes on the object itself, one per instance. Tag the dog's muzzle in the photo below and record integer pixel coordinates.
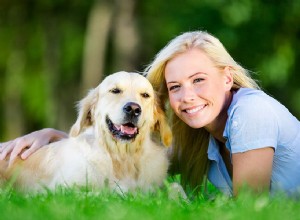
(128, 130)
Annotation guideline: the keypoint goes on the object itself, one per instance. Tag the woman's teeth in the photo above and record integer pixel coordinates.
(193, 110)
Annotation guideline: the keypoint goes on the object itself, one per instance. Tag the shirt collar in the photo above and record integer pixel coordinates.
(213, 149)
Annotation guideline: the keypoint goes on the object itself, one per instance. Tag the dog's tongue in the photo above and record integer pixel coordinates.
(128, 130)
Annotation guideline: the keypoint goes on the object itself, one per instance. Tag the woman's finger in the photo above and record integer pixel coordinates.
(4, 145)
(33, 148)
(6, 148)
(21, 143)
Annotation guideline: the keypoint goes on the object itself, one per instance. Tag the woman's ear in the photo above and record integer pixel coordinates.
(162, 126)
(85, 117)
(228, 74)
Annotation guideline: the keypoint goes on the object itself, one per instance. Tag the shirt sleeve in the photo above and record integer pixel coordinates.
(252, 124)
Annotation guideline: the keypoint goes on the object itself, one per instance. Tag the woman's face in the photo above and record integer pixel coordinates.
(198, 91)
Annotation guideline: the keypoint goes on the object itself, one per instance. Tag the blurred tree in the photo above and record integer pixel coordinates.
(126, 37)
(96, 40)
(40, 60)
(53, 51)
(111, 38)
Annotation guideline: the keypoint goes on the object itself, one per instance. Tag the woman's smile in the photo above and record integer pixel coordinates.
(193, 110)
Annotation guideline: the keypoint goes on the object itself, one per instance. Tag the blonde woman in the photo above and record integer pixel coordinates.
(225, 128)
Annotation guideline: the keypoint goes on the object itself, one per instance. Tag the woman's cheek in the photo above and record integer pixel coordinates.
(172, 99)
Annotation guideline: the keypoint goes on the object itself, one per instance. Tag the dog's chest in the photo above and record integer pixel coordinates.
(82, 163)
(126, 167)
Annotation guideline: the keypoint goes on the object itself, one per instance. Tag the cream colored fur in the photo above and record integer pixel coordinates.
(91, 155)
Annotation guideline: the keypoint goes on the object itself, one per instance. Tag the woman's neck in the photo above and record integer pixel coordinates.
(217, 127)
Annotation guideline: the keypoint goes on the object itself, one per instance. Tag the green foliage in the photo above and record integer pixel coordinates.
(42, 44)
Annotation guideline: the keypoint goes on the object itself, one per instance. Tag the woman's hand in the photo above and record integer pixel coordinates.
(28, 144)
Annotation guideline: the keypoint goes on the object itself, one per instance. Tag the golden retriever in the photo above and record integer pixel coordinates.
(112, 144)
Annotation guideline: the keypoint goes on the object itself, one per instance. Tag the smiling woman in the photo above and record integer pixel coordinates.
(191, 75)
(224, 126)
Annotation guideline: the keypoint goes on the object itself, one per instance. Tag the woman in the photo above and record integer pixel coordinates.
(224, 126)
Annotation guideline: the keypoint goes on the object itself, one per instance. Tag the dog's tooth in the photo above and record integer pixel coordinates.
(117, 127)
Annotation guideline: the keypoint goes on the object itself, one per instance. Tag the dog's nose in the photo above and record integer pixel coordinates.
(132, 109)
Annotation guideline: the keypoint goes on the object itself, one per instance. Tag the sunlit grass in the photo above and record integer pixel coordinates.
(83, 204)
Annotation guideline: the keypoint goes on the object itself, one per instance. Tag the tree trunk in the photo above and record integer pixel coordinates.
(125, 37)
(98, 28)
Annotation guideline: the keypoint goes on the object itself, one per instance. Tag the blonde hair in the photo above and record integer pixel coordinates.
(189, 150)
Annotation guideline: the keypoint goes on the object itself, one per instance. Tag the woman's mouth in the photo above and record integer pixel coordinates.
(194, 109)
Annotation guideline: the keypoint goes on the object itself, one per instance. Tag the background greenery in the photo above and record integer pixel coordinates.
(53, 51)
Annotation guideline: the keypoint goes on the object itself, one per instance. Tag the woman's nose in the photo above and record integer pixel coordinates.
(188, 94)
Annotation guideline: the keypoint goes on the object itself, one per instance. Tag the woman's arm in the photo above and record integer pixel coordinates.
(28, 144)
(252, 168)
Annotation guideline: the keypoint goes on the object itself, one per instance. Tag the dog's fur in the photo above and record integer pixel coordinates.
(112, 144)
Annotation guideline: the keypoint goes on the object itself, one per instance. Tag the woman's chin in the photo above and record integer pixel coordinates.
(194, 124)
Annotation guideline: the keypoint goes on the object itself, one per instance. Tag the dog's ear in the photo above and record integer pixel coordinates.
(162, 125)
(85, 117)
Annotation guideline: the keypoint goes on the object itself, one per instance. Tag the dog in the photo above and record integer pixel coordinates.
(119, 141)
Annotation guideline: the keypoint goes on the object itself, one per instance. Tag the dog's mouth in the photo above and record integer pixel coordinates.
(126, 131)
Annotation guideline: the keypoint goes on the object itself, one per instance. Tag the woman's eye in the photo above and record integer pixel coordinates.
(172, 88)
(115, 91)
(198, 80)
(145, 95)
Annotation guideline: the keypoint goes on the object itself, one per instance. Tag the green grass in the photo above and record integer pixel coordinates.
(83, 204)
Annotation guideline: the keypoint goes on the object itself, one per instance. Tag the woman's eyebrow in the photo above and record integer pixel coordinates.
(191, 76)
(172, 82)
(197, 73)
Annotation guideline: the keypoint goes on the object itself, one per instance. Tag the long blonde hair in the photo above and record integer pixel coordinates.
(189, 151)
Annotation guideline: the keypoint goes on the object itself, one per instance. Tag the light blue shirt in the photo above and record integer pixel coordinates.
(256, 120)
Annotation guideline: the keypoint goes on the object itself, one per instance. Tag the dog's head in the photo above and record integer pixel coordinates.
(124, 107)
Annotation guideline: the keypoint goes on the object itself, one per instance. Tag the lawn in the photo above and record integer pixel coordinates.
(83, 204)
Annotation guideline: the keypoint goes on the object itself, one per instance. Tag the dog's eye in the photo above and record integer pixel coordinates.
(145, 95)
(115, 91)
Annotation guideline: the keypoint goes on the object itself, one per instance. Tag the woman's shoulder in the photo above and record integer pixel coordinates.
(244, 95)
(247, 99)
(254, 101)
(256, 109)
(251, 122)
